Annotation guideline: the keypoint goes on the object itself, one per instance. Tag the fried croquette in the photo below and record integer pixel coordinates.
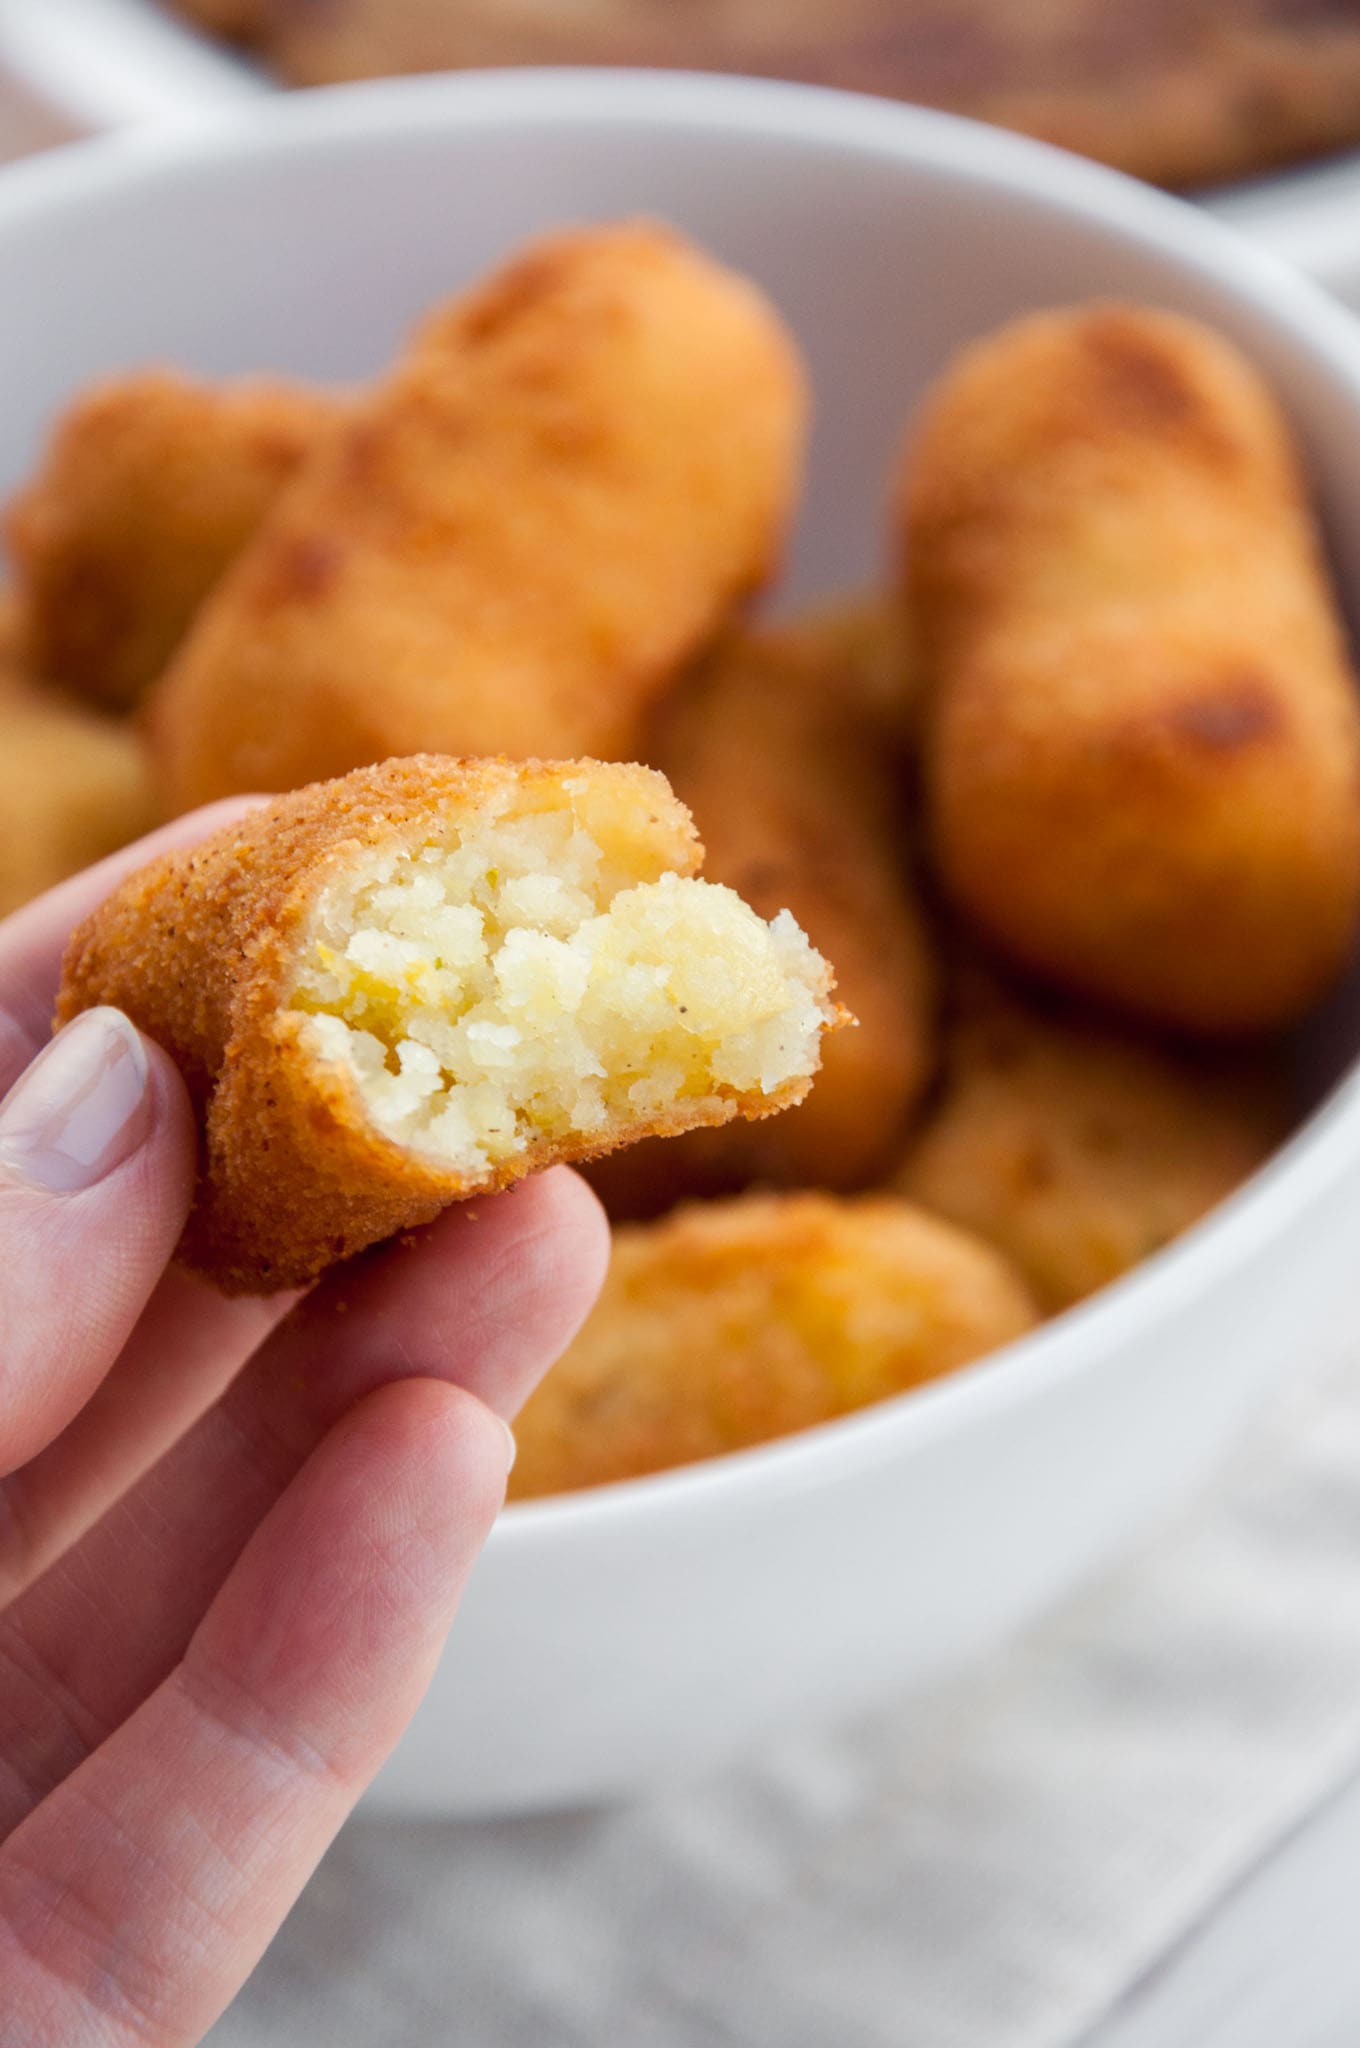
(547, 508)
(1079, 1149)
(732, 1322)
(151, 485)
(431, 978)
(76, 787)
(1143, 745)
(865, 639)
(13, 639)
(242, 20)
(782, 748)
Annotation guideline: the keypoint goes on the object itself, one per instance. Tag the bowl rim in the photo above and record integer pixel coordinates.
(1323, 1149)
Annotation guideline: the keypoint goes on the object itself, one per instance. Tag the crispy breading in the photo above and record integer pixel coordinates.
(864, 638)
(786, 748)
(76, 784)
(243, 20)
(430, 978)
(151, 485)
(525, 530)
(13, 640)
(1143, 743)
(728, 1323)
(1079, 1149)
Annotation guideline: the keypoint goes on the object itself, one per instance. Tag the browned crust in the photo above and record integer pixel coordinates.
(729, 1323)
(13, 639)
(550, 504)
(150, 486)
(242, 20)
(1079, 1149)
(201, 950)
(1143, 746)
(77, 787)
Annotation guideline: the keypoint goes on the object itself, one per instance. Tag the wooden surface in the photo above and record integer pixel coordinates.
(1185, 92)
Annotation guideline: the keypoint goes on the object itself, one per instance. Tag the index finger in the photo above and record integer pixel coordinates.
(33, 939)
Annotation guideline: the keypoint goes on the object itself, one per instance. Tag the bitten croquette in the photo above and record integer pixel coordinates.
(428, 979)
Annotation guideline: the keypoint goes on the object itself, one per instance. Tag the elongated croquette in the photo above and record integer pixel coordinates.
(524, 531)
(1142, 744)
(151, 485)
(430, 978)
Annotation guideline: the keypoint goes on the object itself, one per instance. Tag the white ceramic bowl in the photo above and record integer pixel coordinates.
(650, 1628)
(87, 65)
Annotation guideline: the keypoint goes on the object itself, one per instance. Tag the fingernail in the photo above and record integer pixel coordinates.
(511, 1447)
(80, 1110)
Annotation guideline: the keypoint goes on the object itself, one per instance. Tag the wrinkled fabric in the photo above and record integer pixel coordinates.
(995, 1864)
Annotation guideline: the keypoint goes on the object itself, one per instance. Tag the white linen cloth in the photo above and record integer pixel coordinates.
(996, 1864)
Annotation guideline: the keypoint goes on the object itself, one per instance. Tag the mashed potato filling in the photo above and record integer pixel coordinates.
(519, 984)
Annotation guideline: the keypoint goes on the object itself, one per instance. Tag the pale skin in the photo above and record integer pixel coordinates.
(233, 1534)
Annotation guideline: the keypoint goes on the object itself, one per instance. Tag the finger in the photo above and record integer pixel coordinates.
(97, 1152)
(189, 1343)
(137, 1899)
(33, 939)
(487, 1299)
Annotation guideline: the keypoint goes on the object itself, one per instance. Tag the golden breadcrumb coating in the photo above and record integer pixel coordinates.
(1143, 754)
(433, 977)
(550, 504)
(865, 638)
(783, 748)
(240, 19)
(76, 785)
(1079, 1149)
(728, 1323)
(13, 640)
(151, 485)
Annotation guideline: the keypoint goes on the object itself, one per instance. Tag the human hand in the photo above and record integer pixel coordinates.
(232, 1534)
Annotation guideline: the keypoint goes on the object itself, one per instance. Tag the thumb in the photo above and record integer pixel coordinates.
(97, 1155)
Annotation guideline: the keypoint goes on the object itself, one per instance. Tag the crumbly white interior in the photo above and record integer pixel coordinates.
(515, 985)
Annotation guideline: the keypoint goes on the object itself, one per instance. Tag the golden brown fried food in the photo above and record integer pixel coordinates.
(433, 977)
(781, 747)
(1078, 1149)
(864, 638)
(151, 485)
(732, 1322)
(550, 504)
(76, 787)
(241, 19)
(13, 638)
(1143, 754)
